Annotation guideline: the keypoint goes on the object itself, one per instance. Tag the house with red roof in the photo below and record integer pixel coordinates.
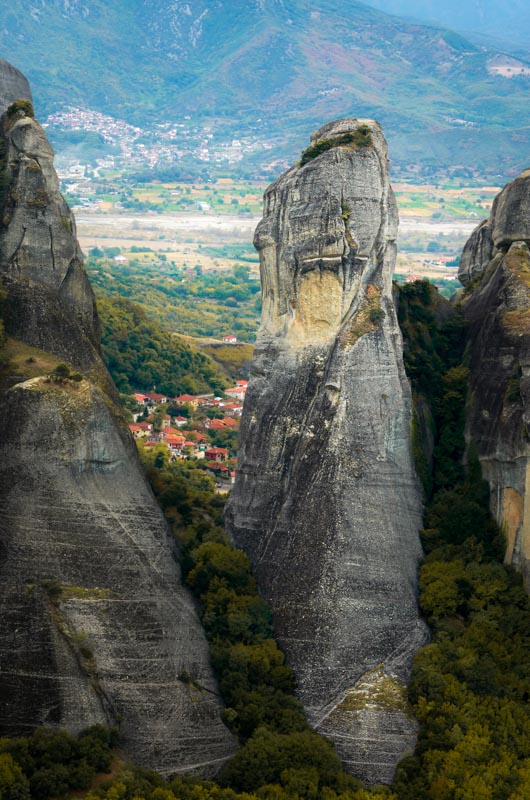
(157, 398)
(141, 398)
(237, 392)
(175, 443)
(233, 409)
(187, 398)
(140, 429)
(216, 454)
(170, 431)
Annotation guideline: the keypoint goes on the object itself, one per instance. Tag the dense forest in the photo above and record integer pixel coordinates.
(140, 355)
(206, 305)
(470, 685)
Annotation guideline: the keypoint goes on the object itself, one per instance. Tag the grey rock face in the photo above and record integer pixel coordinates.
(13, 86)
(326, 501)
(96, 625)
(476, 254)
(51, 304)
(498, 310)
(510, 214)
(115, 643)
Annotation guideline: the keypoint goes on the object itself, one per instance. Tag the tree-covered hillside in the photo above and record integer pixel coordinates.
(141, 356)
(210, 304)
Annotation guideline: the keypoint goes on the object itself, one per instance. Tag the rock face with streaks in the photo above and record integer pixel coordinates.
(495, 269)
(96, 625)
(326, 501)
(13, 86)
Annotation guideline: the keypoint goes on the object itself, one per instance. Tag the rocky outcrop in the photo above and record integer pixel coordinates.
(495, 270)
(13, 86)
(326, 501)
(96, 625)
(51, 304)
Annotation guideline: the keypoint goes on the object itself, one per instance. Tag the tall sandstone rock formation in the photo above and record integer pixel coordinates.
(96, 625)
(495, 270)
(326, 501)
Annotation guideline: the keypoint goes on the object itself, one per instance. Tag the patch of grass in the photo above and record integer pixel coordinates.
(517, 260)
(28, 361)
(368, 318)
(513, 389)
(85, 593)
(22, 108)
(377, 688)
(517, 322)
(233, 358)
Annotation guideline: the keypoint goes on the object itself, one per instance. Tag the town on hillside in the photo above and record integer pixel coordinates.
(199, 427)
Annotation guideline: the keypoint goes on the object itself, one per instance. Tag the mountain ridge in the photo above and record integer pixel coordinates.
(276, 67)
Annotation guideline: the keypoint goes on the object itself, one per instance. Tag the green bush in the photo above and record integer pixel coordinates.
(14, 785)
(52, 763)
(362, 137)
(22, 108)
(377, 316)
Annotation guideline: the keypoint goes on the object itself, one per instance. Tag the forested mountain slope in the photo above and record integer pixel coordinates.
(271, 67)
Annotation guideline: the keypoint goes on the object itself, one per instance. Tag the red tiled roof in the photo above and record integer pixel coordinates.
(140, 426)
(157, 397)
(177, 440)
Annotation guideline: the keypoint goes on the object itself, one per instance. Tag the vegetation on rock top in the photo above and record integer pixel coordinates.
(20, 108)
(361, 137)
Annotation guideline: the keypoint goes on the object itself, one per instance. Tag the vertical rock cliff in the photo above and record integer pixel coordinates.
(495, 270)
(326, 501)
(96, 625)
(13, 86)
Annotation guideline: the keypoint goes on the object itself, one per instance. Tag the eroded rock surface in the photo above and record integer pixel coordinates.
(96, 625)
(495, 269)
(13, 85)
(326, 501)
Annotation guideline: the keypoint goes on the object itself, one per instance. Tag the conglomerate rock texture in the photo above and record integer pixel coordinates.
(326, 500)
(95, 625)
(495, 269)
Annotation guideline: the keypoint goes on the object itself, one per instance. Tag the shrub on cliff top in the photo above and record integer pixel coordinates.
(362, 137)
(21, 108)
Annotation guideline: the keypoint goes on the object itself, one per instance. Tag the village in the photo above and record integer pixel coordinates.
(199, 427)
(166, 143)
